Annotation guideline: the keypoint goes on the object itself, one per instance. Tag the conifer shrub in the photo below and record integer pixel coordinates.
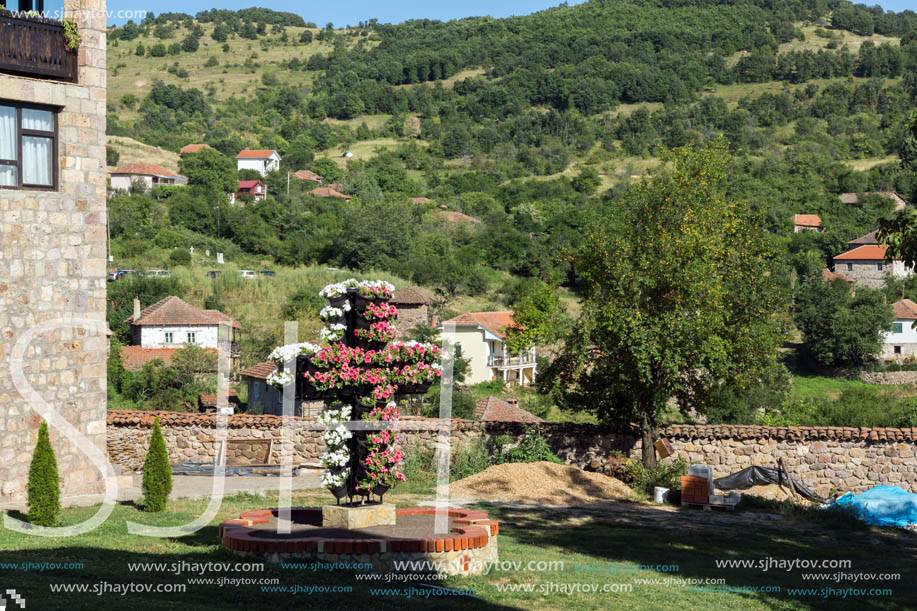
(157, 472)
(44, 482)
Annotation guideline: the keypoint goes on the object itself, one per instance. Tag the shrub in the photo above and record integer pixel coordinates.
(180, 256)
(469, 460)
(157, 472)
(111, 156)
(532, 448)
(44, 482)
(667, 475)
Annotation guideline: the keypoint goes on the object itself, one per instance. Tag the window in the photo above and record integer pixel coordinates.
(168, 337)
(190, 337)
(28, 147)
(850, 267)
(879, 266)
(897, 349)
(897, 328)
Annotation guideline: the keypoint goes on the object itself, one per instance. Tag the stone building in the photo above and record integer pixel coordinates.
(52, 240)
(415, 305)
(867, 266)
(901, 342)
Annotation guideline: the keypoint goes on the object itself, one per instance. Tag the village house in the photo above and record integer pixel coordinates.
(867, 266)
(52, 251)
(854, 198)
(251, 190)
(260, 161)
(328, 192)
(870, 238)
(169, 324)
(807, 222)
(493, 409)
(901, 342)
(415, 305)
(482, 337)
(150, 175)
(193, 148)
(266, 399)
(308, 175)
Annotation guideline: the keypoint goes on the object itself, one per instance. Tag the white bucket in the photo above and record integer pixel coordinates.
(660, 494)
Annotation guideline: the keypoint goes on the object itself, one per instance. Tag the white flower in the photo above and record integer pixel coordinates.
(346, 306)
(329, 312)
(279, 378)
(337, 458)
(290, 351)
(330, 480)
(338, 288)
(332, 332)
(330, 418)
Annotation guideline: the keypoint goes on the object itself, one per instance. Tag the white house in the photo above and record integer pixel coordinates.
(867, 266)
(482, 337)
(170, 324)
(260, 161)
(902, 341)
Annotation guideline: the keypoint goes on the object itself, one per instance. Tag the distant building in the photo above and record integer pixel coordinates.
(493, 409)
(151, 175)
(255, 189)
(829, 276)
(806, 222)
(482, 336)
(270, 399)
(308, 175)
(262, 161)
(902, 341)
(870, 238)
(854, 198)
(867, 266)
(193, 148)
(328, 192)
(170, 324)
(414, 305)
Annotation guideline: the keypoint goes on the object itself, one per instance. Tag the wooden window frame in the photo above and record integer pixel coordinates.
(21, 133)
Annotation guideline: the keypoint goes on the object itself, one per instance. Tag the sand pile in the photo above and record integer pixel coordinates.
(543, 483)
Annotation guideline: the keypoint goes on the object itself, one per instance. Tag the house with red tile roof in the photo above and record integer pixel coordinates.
(171, 323)
(249, 190)
(493, 409)
(150, 175)
(193, 148)
(867, 265)
(901, 342)
(328, 192)
(262, 161)
(266, 399)
(482, 337)
(807, 222)
(308, 175)
(870, 238)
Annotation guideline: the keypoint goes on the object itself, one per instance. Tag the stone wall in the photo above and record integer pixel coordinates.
(52, 265)
(825, 458)
(888, 377)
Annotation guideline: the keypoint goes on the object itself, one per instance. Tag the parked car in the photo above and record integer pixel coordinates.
(248, 273)
(267, 272)
(158, 273)
(121, 273)
(214, 273)
(112, 276)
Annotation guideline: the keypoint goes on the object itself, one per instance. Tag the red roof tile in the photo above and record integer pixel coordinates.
(905, 309)
(255, 154)
(135, 357)
(807, 220)
(458, 217)
(492, 409)
(308, 175)
(143, 169)
(327, 192)
(248, 184)
(174, 311)
(829, 276)
(260, 371)
(495, 322)
(868, 252)
(192, 148)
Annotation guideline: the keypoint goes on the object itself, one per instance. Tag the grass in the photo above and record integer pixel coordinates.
(815, 387)
(365, 149)
(131, 151)
(694, 541)
(862, 165)
(813, 42)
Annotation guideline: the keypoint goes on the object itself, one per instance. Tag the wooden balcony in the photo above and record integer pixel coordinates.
(518, 360)
(35, 47)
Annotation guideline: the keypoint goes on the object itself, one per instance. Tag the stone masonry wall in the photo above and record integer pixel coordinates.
(52, 264)
(846, 459)
(888, 377)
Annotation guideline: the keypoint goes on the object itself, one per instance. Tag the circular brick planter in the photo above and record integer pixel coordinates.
(471, 542)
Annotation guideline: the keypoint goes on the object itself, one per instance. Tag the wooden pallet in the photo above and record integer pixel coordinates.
(707, 506)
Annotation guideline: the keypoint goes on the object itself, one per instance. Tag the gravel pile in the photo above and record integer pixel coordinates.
(541, 483)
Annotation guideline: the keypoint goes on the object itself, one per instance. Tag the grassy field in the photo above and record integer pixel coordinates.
(605, 538)
(131, 151)
(818, 387)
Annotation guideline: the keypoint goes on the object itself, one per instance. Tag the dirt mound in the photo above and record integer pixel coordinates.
(543, 483)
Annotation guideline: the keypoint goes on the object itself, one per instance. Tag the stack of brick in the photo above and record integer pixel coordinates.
(695, 489)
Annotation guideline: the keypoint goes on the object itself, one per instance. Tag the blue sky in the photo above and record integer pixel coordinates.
(353, 11)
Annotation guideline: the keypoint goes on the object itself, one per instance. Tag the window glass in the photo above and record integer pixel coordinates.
(8, 146)
(36, 161)
(8, 177)
(41, 120)
(898, 327)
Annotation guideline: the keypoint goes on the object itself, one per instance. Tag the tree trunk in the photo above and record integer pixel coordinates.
(648, 436)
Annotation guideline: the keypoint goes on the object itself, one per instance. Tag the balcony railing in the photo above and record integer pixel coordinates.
(503, 360)
(35, 47)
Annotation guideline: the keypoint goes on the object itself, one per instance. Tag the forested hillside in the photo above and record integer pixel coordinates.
(529, 124)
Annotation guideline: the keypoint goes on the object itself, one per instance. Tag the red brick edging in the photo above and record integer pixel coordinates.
(475, 531)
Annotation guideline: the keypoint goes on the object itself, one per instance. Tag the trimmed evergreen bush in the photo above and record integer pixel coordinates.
(44, 482)
(157, 472)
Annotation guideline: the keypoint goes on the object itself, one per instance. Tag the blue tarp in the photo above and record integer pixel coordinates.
(882, 506)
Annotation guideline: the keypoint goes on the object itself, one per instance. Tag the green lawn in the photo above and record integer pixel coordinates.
(815, 387)
(693, 540)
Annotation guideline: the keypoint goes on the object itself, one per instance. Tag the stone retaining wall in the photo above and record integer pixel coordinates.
(888, 377)
(827, 458)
